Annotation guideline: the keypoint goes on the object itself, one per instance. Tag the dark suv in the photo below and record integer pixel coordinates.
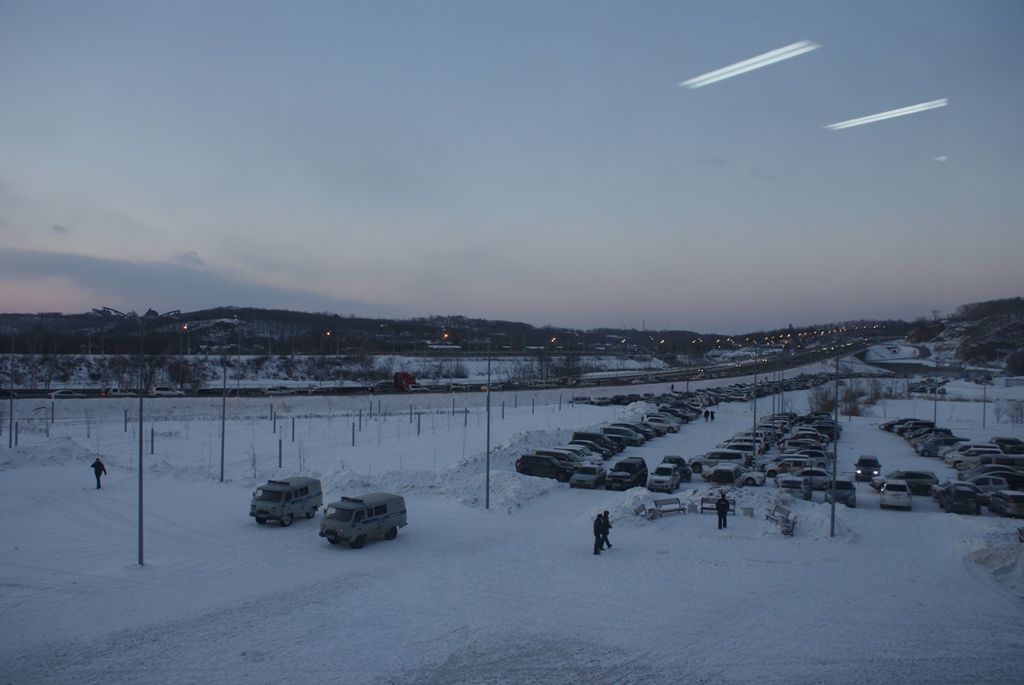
(960, 498)
(627, 473)
(866, 467)
(546, 467)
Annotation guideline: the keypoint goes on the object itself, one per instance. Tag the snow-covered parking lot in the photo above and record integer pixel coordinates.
(509, 594)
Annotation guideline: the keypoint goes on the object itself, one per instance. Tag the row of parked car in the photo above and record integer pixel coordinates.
(984, 470)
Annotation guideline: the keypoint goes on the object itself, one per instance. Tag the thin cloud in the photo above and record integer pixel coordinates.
(190, 257)
(57, 228)
(163, 285)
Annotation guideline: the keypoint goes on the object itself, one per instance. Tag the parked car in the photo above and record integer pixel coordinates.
(718, 456)
(165, 391)
(1007, 503)
(866, 467)
(932, 447)
(685, 472)
(919, 482)
(627, 435)
(988, 484)
(599, 438)
(1015, 477)
(1008, 445)
(843, 491)
(627, 473)
(895, 493)
(818, 477)
(278, 390)
(773, 469)
(664, 478)
(797, 486)
(545, 467)
(65, 395)
(959, 497)
(605, 452)
(588, 476)
(733, 474)
(117, 392)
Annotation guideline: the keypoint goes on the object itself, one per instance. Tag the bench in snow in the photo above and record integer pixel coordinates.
(783, 517)
(642, 510)
(669, 505)
(708, 504)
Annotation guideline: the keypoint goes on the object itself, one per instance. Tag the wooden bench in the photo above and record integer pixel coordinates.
(669, 505)
(783, 517)
(642, 510)
(708, 504)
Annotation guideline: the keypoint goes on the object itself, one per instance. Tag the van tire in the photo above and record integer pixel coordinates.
(696, 468)
(561, 477)
(391, 534)
(261, 520)
(311, 513)
(526, 472)
(286, 520)
(358, 542)
(771, 473)
(333, 541)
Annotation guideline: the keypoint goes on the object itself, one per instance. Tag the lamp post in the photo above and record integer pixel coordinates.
(143, 321)
(10, 388)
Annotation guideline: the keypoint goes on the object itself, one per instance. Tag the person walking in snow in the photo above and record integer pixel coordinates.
(707, 413)
(100, 470)
(606, 526)
(598, 532)
(712, 417)
(722, 507)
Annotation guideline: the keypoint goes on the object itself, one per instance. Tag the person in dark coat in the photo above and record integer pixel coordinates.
(598, 532)
(100, 470)
(722, 507)
(707, 415)
(606, 526)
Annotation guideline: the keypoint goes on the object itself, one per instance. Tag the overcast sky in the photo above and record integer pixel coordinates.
(530, 161)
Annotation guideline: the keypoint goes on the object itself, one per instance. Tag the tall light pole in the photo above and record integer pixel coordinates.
(10, 414)
(487, 479)
(144, 321)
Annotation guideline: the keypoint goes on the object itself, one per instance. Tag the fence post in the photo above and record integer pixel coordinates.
(293, 429)
(280, 448)
(152, 438)
(353, 435)
(419, 422)
(125, 420)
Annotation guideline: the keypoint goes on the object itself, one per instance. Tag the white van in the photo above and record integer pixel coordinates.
(719, 456)
(354, 519)
(282, 500)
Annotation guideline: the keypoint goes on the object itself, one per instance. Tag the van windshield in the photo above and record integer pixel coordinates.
(343, 515)
(268, 495)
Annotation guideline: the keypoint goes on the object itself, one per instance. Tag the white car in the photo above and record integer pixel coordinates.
(65, 394)
(895, 493)
(165, 391)
(664, 478)
(733, 474)
(589, 476)
(278, 390)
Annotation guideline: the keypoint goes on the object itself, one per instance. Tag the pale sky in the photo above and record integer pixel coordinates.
(521, 160)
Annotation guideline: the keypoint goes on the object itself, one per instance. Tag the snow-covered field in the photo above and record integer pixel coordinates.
(509, 594)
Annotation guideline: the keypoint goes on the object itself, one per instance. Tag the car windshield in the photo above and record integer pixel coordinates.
(663, 471)
(587, 470)
(269, 495)
(338, 514)
(896, 487)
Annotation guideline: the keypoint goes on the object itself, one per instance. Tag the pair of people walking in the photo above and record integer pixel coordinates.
(601, 527)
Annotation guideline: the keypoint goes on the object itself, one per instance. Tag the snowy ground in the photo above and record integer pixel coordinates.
(512, 594)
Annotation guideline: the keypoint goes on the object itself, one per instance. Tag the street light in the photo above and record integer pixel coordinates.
(143, 321)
